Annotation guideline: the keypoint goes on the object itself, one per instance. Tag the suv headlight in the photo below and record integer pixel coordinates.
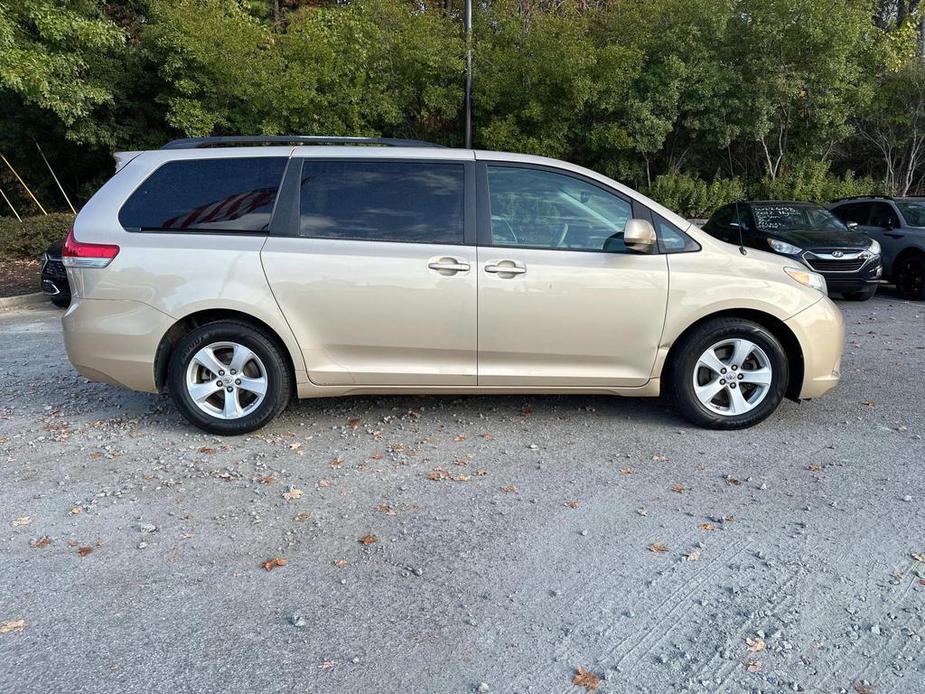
(874, 248)
(784, 248)
(808, 278)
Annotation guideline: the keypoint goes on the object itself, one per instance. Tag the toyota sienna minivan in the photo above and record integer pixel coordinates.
(236, 273)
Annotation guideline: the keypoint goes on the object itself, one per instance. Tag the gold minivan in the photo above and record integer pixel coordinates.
(238, 272)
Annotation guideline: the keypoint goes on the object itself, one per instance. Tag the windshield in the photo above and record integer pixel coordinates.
(914, 212)
(787, 217)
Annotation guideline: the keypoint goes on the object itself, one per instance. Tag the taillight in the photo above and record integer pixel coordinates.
(78, 254)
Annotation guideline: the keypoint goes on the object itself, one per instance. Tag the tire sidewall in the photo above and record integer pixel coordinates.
(699, 342)
(277, 378)
(905, 290)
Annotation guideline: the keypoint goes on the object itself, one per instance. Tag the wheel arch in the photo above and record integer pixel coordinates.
(774, 325)
(190, 322)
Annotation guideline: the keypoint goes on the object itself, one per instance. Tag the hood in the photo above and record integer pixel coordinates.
(812, 238)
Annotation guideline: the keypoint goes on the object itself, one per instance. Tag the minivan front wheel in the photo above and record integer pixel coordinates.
(728, 373)
(228, 378)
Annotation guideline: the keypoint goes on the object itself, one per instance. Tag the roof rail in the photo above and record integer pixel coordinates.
(864, 197)
(224, 140)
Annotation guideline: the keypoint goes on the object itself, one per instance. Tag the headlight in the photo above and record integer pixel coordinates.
(807, 278)
(874, 248)
(784, 248)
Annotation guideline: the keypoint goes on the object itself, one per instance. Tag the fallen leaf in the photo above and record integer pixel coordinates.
(302, 516)
(919, 557)
(815, 467)
(293, 493)
(271, 564)
(368, 539)
(336, 462)
(22, 520)
(207, 450)
(707, 527)
(481, 472)
(509, 489)
(386, 509)
(526, 411)
(353, 423)
(327, 664)
(571, 503)
(753, 665)
(437, 474)
(586, 679)
(862, 688)
(486, 436)
(75, 511)
(340, 563)
(658, 547)
(324, 484)
(41, 542)
(84, 551)
(459, 437)
(626, 471)
(461, 478)
(266, 479)
(12, 625)
(678, 488)
(642, 512)
(295, 446)
(659, 458)
(692, 555)
(732, 481)
(869, 403)
(755, 645)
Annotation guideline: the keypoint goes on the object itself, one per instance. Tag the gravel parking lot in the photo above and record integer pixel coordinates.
(439, 544)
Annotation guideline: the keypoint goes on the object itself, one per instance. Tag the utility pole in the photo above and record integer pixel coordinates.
(468, 103)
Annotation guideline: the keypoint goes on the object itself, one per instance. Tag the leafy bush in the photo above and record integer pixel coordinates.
(693, 197)
(30, 238)
(812, 181)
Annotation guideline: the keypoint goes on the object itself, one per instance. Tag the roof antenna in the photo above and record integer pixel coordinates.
(741, 237)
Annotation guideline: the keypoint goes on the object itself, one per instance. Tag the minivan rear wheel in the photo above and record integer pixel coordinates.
(728, 373)
(228, 378)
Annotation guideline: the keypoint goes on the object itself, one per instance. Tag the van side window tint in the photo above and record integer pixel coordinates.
(219, 195)
(410, 202)
(543, 209)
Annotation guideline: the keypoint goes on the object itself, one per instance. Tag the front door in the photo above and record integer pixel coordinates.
(562, 302)
(378, 281)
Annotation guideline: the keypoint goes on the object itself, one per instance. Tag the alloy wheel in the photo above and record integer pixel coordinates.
(732, 377)
(226, 380)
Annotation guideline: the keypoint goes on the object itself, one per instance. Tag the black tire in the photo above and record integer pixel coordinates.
(862, 295)
(61, 300)
(909, 275)
(688, 351)
(279, 383)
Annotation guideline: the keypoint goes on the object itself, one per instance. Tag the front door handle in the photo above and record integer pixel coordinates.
(506, 267)
(448, 266)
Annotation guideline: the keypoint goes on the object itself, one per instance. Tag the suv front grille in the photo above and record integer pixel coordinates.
(55, 268)
(820, 265)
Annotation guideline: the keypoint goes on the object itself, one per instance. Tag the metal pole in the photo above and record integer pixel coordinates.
(468, 104)
(10, 204)
(35, 199)
(60, 187)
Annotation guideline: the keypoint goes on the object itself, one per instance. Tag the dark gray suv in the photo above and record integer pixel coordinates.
(899, 225)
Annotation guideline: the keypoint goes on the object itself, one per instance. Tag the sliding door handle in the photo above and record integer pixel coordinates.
(448, 266)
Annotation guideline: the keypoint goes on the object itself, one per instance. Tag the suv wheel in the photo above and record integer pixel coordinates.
(861, 295)
(228, 378)
(910, 277)
(729, 373)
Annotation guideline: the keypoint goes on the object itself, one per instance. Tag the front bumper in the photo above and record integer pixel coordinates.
(820, 330)
(115, 342)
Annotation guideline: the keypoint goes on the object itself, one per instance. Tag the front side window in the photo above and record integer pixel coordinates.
(776, 217)
(218, 195)
(410, 202)
(913, 211)
(543, 209)
(857, 212)
(883, 216)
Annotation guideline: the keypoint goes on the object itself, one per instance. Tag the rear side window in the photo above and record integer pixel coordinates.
(217, 195)
(409, 202)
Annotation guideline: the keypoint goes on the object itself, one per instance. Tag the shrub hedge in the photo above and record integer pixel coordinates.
(30, 238)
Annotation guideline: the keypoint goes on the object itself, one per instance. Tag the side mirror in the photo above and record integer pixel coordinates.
(852, 226)
(639, 235)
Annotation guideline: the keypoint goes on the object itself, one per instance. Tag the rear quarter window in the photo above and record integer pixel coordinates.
(206, 195)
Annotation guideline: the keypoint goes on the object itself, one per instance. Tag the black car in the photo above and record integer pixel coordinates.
(54, 277)
(808, 233)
